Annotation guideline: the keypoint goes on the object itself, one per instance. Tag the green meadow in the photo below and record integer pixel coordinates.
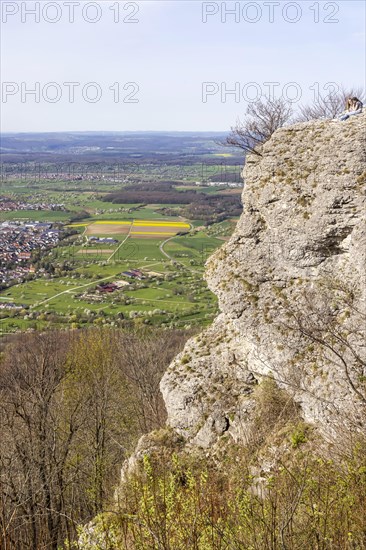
(173, 295)
(36, 215)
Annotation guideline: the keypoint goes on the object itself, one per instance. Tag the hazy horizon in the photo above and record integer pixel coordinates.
(213, 132)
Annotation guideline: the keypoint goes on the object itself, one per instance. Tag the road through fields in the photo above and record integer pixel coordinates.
(122, 243)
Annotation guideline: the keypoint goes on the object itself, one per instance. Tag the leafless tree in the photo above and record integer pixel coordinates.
(141, 357)
(38, 429)
(322, 332)
(71, 405)
(331, 318)
(329, 104)
(262, 119)
(267, 115)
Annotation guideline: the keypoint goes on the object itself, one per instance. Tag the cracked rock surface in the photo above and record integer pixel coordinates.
(294, 266)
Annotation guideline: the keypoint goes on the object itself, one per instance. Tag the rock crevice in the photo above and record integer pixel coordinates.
(291, 289)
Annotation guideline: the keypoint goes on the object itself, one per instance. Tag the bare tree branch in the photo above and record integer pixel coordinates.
(262, 119)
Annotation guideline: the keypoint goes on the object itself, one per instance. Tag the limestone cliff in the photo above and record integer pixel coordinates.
(291, 289)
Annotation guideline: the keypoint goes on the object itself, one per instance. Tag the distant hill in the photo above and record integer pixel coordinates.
(106, 146)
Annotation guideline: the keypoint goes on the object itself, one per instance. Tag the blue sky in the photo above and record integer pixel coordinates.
(168, 54)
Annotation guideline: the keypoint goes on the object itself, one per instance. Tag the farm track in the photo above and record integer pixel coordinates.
(122, 243)
(72, 290)
(161, 247)
(170, 239)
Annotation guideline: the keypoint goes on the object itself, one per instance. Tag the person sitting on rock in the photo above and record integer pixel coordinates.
(353, 107)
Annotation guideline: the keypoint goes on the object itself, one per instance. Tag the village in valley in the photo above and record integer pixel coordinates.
(115, 255)
(19, 243)
(106, 272)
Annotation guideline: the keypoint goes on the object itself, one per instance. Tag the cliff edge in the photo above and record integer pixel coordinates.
(291, 286)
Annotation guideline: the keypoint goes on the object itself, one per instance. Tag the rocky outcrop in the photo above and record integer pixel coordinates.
(291, 289)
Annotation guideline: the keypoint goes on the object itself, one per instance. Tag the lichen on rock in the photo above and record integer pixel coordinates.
(291, 289)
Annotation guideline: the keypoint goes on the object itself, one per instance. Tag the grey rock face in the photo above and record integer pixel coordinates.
(291, 286)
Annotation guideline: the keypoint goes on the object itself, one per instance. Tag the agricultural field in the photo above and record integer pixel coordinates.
(134, 228)
(34, 215)
(120, 262)
(169, 254)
